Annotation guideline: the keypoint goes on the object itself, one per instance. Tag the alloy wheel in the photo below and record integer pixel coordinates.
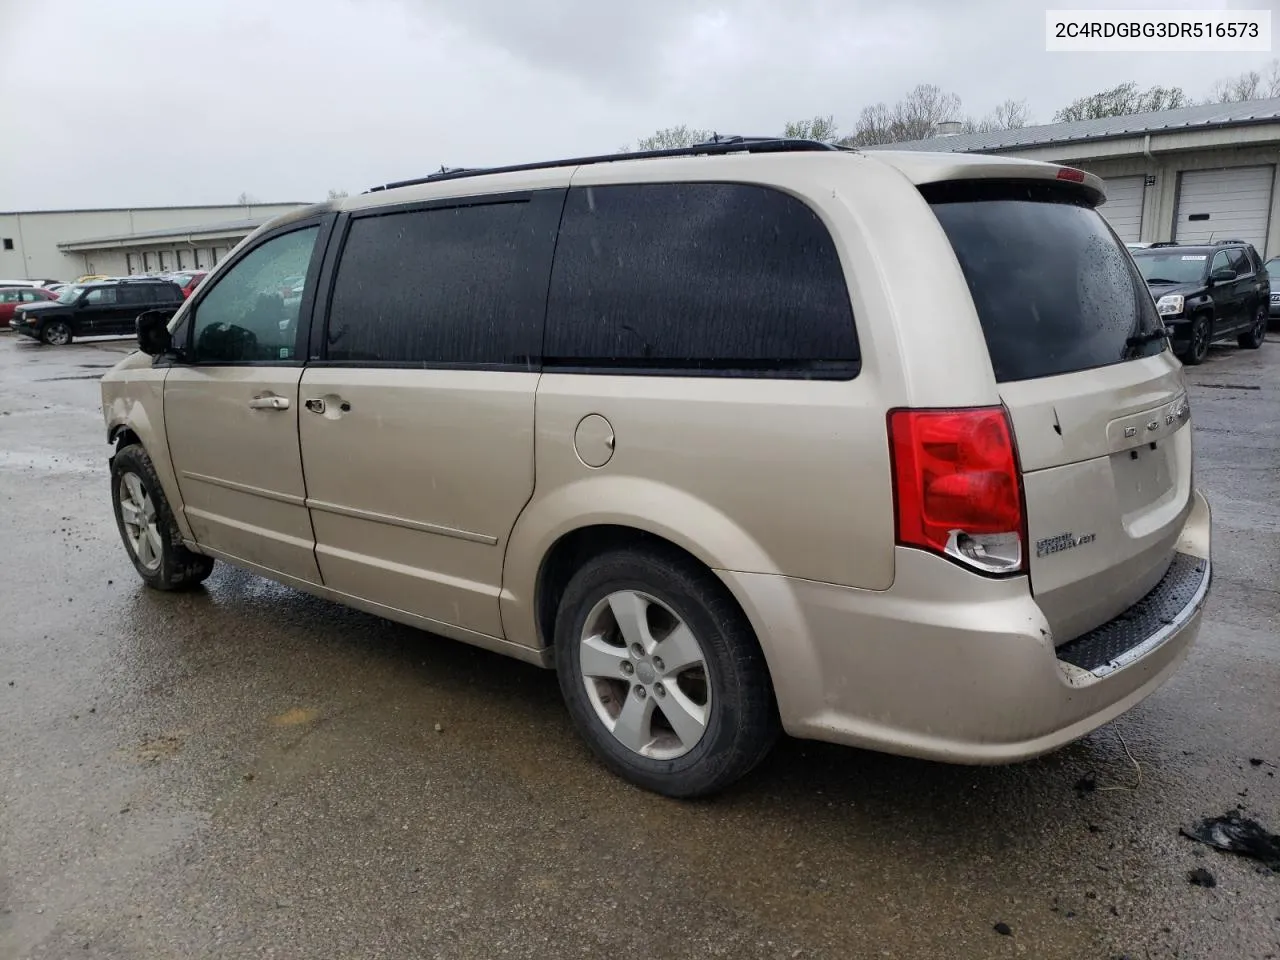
(1200, 338)
(138, 516)
(645, 675)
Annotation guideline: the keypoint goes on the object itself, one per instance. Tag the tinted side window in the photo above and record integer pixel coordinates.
(249, 315)
(101, 295)
(164, 293)
(1240, 263)
(1220, 260)
(132, 294)
(698, 277)
(438, 286)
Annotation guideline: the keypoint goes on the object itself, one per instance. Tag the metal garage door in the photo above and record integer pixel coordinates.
(1123, 208)
(1230, 204)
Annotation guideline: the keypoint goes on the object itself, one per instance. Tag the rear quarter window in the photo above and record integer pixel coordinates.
(698, 278)
(1054, 289)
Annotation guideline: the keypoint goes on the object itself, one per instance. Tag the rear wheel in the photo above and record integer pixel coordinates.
(662, 673)
(1256, 334)
(147, 527)
(56, 333)
(1198, 348)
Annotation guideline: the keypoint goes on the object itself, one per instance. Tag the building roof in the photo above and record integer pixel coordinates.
(144, 209)
(243, 227)
(1203, 117)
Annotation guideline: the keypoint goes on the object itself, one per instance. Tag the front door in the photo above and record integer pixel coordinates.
(97, 312)
(231, 410)
(417, 419)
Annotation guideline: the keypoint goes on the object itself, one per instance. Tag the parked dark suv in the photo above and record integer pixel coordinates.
(95, 309)
(1207, 292)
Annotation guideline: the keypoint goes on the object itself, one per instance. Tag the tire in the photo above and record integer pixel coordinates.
(154, 544)
(728, 690)
(1201, 335)
(56, 333)
(1257, 334)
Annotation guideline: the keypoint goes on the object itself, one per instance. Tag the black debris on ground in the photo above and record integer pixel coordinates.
(1003, 929)
(1238, 834)
(1087, 784)
(1255, 761)
(1200, 877)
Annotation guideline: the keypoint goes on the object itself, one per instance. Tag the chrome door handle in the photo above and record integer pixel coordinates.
(315, 405)
(269, 403)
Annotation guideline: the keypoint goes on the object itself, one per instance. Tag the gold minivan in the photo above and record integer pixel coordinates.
(884, 449)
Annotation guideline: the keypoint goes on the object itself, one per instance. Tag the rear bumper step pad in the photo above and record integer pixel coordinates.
(1146, 624)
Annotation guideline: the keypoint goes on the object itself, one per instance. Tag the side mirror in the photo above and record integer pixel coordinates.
(1222, 275)
(153, 333)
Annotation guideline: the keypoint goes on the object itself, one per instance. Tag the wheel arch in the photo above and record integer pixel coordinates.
(599, 512)
(134, 415)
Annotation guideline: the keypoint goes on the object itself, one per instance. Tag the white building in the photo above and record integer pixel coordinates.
(1193, 174)
(65, 244)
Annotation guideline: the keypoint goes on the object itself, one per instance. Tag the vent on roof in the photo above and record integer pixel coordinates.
(948, 128)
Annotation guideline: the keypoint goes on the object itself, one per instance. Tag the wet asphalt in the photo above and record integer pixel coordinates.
(246, 771)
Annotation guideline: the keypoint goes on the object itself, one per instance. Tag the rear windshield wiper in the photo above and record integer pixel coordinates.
(1159, 280)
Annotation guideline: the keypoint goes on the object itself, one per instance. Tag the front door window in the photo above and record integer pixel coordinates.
(251, 315)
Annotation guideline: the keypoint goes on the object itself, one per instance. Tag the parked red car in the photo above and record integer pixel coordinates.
(10, 297)
(188, 280)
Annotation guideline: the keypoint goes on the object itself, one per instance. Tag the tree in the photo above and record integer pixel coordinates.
(914, 117)
(335, 194)
(1250, 85)
(246, 199)
(1011, 115)
(670, 138)
(917, 115)
(1123, 100)
(822, 129)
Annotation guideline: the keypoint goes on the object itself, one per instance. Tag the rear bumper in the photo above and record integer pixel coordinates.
(951, 666)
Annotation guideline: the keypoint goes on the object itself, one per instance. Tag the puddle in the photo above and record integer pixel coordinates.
(295, 717)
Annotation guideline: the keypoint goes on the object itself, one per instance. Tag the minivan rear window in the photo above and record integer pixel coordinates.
(1054, 288)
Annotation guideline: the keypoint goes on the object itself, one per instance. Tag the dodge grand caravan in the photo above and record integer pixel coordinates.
(888, 450)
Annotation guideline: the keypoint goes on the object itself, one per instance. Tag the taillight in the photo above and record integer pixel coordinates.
(956, 486)
(1071, 173)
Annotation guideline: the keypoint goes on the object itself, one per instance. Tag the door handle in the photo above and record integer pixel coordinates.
(269, 403)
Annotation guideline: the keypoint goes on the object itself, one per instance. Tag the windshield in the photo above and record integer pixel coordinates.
(1272, 266)
(70, 294)
(1052, 285)
(1172, 266)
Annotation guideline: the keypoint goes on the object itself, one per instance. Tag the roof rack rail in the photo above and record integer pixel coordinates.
(1220, 242)
(716, 146)
(1166, 243)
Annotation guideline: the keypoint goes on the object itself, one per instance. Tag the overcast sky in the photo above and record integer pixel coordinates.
(124, 102)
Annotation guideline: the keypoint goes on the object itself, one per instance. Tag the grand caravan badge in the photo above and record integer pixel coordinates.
(1063, 541)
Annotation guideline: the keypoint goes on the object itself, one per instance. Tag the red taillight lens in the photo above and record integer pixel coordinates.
(956, 485)
(1072, 174)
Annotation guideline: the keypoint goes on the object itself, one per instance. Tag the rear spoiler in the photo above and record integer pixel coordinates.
(925, 168)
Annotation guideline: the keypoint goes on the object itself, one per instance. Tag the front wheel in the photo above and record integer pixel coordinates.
(662, 673)
(1256, 334)
(1198, 348)
(147, 527)
(56, 333)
